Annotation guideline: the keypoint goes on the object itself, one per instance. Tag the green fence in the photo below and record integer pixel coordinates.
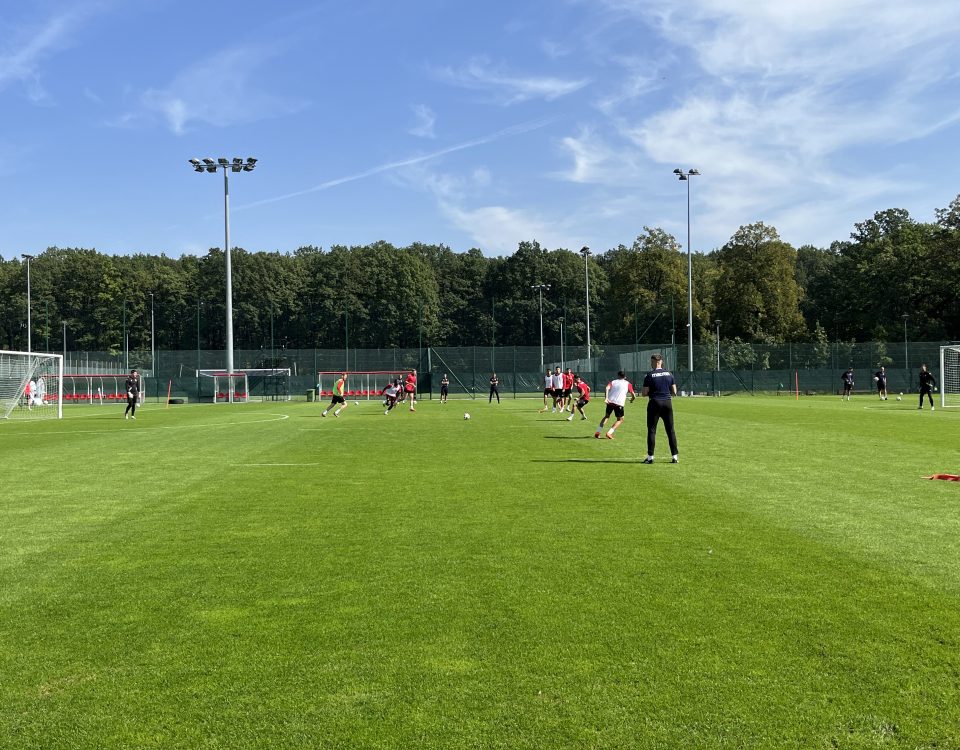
(744, 367)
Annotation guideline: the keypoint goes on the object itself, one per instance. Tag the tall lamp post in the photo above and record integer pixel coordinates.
(236, 165)
(540, 288)
(685, 177)
(28, 258)
(718, 345)
(585, 252)
(153, 348)
(906, 353)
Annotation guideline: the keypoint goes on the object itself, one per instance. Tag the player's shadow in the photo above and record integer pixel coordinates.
(587, 460)
(567, 437)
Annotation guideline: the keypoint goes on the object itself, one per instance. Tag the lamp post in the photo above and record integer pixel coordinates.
(718, 345)
(906, 352)
(236, 165)
(540, 288)
(585, 252)
(126, 356)
(199, 305)
(685, 177)
(153, 348)
(28, 258)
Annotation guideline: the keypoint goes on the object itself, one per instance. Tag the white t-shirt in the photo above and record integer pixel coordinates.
(558, 381)
(548, 381)
(617, 391)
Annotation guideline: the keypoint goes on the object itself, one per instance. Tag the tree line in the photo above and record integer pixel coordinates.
(379, 296)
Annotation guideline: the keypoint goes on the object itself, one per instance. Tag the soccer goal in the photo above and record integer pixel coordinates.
(224, 387)
(31, 385)
(950, 375)
(268, 383)
(98, 388)
(367, 384)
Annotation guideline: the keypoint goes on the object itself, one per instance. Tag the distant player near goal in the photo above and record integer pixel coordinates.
(132, 385)
(339, 388)
(927, 384)
(847, 380)
(617, 392)
(444, 388)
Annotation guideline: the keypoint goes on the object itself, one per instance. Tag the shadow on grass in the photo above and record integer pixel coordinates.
(567, 437)
(587, 460)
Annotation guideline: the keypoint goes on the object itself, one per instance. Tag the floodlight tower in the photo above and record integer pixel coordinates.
(685, 177)
(540, 288)
(28, 258)
(227, 165)
(585, 252)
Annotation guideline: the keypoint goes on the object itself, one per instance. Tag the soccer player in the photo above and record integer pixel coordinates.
(494, 388)
(880, 378)
(568, 389)
(584, 390)
(847, 380)
(41, 391)
(28, 390)
(132, 385)
(557, 390)
(444, 388)
(927, 384)
(547, 389)
(338, 401)
(410, 388)
(660, 388)
(391, 393)
(617, 392)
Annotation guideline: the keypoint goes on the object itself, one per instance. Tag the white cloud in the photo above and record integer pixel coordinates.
(219, 90)
(426, 120)
(509, 88)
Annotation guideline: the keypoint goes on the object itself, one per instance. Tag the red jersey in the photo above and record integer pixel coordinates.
(411, 385)
(567, 381)
(584, 390)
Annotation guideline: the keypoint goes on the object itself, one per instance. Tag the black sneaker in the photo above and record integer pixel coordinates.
(648, 460)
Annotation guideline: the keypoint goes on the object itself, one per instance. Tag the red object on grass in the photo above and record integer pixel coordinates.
(947, 477)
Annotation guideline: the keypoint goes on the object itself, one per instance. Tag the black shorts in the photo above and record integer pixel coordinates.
(338, 400)
(443, 390)
(566, 393)
(614, 409)
(582, 402)
(558, 392)
(881, 385)
(548, 391)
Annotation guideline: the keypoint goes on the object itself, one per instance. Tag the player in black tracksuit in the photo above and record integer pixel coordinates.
(847, 379)
(133, 394)
(927, 384)
(660, 387)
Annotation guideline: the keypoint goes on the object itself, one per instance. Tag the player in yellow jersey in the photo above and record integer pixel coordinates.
(339, 389)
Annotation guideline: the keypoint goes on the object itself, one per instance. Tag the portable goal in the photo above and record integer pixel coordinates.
(98, 388)
(30, 385)
(222, 387)
(367, 384)
(950, 375)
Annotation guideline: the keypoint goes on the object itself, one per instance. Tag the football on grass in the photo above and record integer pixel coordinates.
(466, 415)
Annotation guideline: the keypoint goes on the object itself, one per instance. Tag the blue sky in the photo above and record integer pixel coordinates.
(471, 124)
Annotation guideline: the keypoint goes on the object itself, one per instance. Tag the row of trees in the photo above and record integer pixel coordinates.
(378, 295)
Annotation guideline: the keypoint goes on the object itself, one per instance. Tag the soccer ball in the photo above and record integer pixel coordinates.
(466, 415)
(899, 398)
(356, 403)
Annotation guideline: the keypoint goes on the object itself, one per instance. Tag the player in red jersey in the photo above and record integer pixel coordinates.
(584, 397)
(567, 390)
(410, 388)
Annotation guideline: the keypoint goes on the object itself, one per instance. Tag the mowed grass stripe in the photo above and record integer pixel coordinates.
(444, 584)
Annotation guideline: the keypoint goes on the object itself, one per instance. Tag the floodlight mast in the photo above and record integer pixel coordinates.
(540, 288)
(227, 165)
(685, 177)
(585, 252)
(28, 258)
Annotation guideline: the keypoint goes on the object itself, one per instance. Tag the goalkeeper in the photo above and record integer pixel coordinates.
(927, 385)
(133, 394)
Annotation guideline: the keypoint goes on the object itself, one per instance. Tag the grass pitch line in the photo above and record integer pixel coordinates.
(269, 465)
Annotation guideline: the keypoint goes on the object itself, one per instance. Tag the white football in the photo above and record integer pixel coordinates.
(899, 398)
(466, 415)
(356, 403)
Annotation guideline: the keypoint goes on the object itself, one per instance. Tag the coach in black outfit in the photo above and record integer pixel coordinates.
(660, 388)
(927, 384)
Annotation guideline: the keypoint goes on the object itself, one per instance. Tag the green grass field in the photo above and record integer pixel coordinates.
(254, 576)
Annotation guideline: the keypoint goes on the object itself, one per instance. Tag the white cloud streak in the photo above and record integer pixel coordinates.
(508, 88)
(426, 120)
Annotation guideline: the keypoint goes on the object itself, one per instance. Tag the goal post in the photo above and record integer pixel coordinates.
(224, 387)
(950, 376)
(361, 384)
(31, 385)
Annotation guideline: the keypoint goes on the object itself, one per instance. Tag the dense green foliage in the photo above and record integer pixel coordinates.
(253, 576)
(760, 287)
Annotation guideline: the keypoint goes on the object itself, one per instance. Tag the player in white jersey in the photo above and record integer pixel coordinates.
(547, 389)
(617, 392)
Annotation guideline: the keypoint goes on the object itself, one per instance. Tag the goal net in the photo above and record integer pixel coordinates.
(268, 383)
(30, 385)
(98, 388)
(367, 384)
(223, 387)
(950, 375)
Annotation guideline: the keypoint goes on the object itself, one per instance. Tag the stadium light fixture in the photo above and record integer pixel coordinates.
(540, 288)
(906, 350)
(718, 346)
(226, 165)
(28, 258)
(685, 177)
(585, 252)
